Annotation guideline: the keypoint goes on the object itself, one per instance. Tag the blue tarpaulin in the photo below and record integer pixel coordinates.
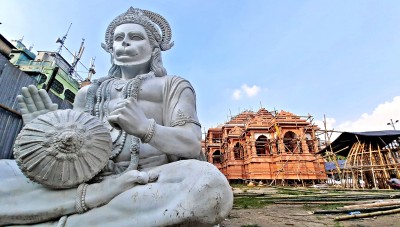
(329, 166)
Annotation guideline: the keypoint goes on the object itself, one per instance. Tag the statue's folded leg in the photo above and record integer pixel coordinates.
(25, 202)
(9, 168)
(187, 192)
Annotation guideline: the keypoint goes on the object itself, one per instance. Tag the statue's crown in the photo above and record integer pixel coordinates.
(154, 22)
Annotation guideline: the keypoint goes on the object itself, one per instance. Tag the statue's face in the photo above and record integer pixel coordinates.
(131, 45)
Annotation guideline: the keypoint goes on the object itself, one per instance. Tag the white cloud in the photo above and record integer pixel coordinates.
(375, 121)
(329, 125)
(246, 89)
(237, 94)
(330, 122)
(251, 91)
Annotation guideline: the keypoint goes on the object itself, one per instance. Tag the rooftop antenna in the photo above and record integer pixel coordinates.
(20, 40)
(261, 105)
(91, 69)
(31, 47)
(77, 57)
(62, 40)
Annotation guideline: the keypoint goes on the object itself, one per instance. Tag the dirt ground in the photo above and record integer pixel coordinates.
(296, 215)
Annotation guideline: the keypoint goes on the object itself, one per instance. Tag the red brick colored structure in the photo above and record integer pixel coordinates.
(264, 146)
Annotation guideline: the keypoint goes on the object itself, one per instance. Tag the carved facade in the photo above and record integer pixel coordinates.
(266, 146)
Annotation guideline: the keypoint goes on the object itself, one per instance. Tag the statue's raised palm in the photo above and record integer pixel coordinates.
(34, 102)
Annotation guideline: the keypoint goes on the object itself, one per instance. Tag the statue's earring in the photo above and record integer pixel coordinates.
(106, 48)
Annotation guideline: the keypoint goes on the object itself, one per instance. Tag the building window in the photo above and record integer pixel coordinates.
(57, 87)
(216, 138)
(42, 78)
(69, 95)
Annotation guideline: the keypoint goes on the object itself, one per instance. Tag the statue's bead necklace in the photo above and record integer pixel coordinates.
(130, 90)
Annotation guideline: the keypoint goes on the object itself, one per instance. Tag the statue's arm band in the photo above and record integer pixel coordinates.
(181, 122)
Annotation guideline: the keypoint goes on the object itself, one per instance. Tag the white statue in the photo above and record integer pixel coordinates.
(152, 177)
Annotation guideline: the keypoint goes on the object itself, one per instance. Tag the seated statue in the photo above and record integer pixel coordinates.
(155, 175)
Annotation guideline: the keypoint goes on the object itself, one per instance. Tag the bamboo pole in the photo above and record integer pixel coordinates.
(318, 202)
(370, 209)
(356, 198)
(385, 170)
(353, 216)
(362, 170)
(350, 162)
(377, 204)
(358, 163)
(385, 165)
(373, 172)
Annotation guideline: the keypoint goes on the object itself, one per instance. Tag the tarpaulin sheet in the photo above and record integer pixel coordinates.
(346, 140)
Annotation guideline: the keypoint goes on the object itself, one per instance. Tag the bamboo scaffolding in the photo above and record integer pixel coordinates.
(294, 153)
(370, 164)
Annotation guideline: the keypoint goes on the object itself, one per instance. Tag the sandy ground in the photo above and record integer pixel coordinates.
(298, 215)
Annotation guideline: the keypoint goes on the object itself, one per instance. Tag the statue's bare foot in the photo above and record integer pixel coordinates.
(101, 193)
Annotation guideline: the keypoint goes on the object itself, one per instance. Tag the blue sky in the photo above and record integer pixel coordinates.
(340, 59)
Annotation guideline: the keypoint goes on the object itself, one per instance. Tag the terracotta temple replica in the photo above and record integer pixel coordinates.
(274, 148)
(128, 154)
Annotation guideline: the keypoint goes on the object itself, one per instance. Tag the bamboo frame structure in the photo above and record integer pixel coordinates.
(372, 157)
(371, 164)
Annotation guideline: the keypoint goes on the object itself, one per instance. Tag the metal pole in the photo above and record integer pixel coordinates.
(392, 123)
(52, 78)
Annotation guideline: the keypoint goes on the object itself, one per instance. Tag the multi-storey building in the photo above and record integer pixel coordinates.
(42, 67)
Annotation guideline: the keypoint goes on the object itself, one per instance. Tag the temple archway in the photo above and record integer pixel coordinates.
(238, 151)
(217, 156)
(290, 141)
(262, 146)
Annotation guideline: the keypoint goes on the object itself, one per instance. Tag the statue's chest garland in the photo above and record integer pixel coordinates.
(98, 101)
